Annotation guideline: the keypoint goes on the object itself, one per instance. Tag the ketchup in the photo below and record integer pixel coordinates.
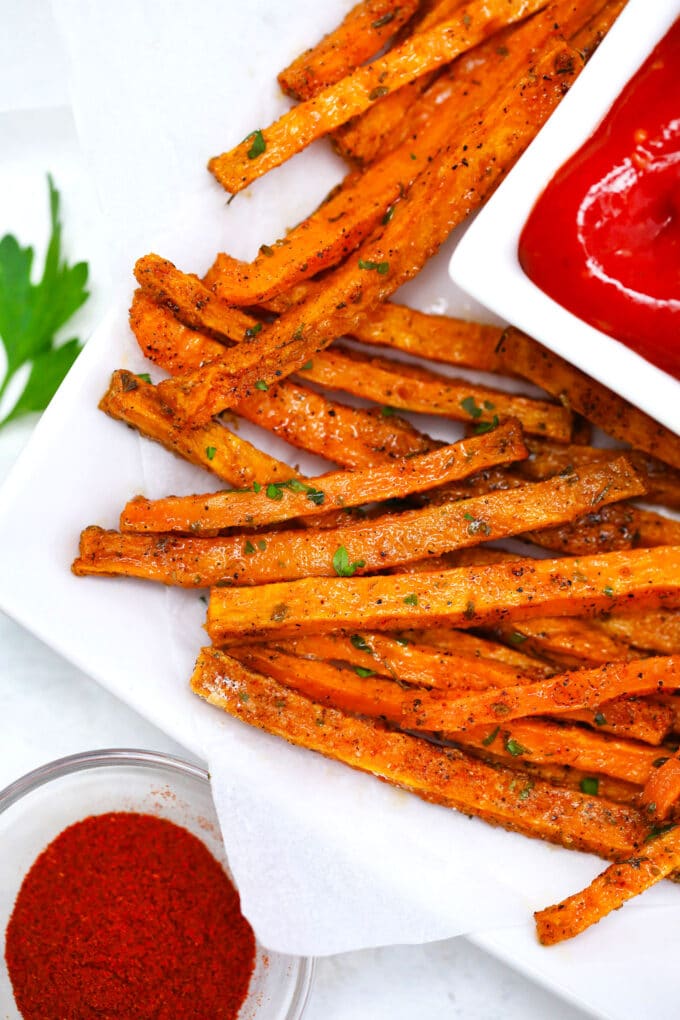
(604, 237)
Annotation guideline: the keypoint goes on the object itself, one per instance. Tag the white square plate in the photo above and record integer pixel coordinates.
(485, 263)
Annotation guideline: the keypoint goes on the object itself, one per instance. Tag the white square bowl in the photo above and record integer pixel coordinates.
(486, 264)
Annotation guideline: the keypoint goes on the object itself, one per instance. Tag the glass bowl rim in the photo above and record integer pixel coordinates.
(111, 756)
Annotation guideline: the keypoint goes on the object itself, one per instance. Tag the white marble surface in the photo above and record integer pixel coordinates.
(49, 709)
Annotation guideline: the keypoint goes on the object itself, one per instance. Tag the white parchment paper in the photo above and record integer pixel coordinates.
(325, 859)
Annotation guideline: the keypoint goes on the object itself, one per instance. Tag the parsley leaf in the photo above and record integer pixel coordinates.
(31, 314)
(342, 565)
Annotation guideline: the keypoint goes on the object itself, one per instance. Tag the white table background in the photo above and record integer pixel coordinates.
(48, 708)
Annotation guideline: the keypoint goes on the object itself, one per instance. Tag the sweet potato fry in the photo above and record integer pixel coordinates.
(350, 436)
(212, 446)
(213, 512)
(465, 597)
(412, 388)
(361, 547)
(662, 789)
(263, 150)
(443, 776)
(363, 31)
(581, 689)
(437, 337)
(656, 859)
(594, 401)
(454, 183)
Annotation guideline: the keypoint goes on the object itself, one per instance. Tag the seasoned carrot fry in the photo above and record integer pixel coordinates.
(363, 547)
(453, 184)
(437, 337)
(617, 790)
(350, 436)
(470, 81)
(594, 401)
(585, 688)
(460, 642)
(360, 35)
(662, 789)
(185, 295)
(263, 150)
(465, 597)
(617, 526)
(647, 719)
(413, 664)
(656, 859)
(541, 741)
(589, 37)
(212, 446)
(549, 458)
(565, 641)
(416, 389)
(214, 512)
(444, 776)
(654, 631)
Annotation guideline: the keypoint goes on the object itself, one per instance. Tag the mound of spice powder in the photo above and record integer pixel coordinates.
(128, 917)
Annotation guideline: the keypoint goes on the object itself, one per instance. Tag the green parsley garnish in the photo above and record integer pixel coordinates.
(363, 672)
(307, 366)
(590, 785)
(259, 145)
(470, 407)
(514, 747)
(378, 92)
(342, 565)
(658, 830)
(599, 719)
(31, 314)
(608, 591)
(274, 491)
(257, 487)
(380, 267)
(252, 331)
(249, 548)
(210, 452)
(360, 643)
(261, 385)
(144, 376)
(388, 215)
(385, 20)
(411, 600)
(486, 426)
(516, 638)
(387, 411)
(261, 544)
(490, 737)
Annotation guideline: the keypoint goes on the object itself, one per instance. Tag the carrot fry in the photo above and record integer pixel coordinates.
(443, 776)
(364, 546)
(617, 790)
(657, 859)
(662, 789)
(350, 436)
(565, 641)
(617, 526)
(212, 446)
(542, 741)
(413, 664)
(456, 181)
(465, 597)
(586, 688)
(549, 458)
(214, 512)
(654, 631)
(437, 337)
(647, 719)
(263, 150)
(359, 36)
(589, 37)
(594, 401)
(460, 642)
(186, 296)
(416, 389)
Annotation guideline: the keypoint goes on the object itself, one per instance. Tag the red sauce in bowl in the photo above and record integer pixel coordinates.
(604, 237)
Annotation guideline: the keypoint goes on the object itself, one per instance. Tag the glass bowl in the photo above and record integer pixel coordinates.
(40, 805)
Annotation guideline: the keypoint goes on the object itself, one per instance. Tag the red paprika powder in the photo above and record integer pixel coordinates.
(128, 917)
